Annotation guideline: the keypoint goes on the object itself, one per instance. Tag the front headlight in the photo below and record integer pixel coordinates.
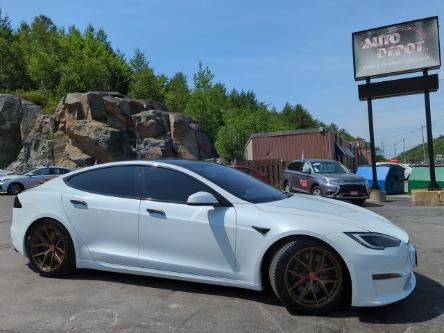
(333, 181)
(3, 180)
(374, 240)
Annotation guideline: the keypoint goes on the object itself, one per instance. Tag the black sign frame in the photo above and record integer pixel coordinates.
(396, 72)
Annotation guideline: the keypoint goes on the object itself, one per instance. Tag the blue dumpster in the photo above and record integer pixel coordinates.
(390, 178)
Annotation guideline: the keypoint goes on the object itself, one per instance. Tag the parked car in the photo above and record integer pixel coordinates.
(5, 172)
(205, 222)
(17, 183)
(325, 178)
(407, 167)
(250, 171)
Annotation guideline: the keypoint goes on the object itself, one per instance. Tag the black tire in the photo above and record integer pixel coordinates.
(316, 191)
(287, 187)
(15, 188)
(359, 202)
(323, 295)
(50, 242)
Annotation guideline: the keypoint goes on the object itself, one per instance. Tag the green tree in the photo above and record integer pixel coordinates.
(297, 117)
(12, 69)
(145, 84)
(43, 53)
(92, 64)
(177, 93)
(239, 125)
(207, 101)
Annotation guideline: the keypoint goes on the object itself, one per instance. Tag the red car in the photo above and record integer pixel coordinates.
(256, 174)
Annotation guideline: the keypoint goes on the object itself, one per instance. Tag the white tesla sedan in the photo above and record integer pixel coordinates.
(203, 222)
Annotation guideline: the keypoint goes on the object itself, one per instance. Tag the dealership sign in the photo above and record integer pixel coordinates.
(395, 49)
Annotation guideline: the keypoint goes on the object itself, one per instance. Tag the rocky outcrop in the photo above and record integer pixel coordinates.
(95, 127)
(17, 118)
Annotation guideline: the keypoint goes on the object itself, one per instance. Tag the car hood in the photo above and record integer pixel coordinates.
(347, 177)
(337, 211)
(10, 177)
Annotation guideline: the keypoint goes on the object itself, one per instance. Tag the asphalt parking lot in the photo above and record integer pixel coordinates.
(92, 301)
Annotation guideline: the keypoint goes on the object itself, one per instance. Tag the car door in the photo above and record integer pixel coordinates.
(36, 178)
(177, 237)
(103, 206)
(293, 173)
(305, 178)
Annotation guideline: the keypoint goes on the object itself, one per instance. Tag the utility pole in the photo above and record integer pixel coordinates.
(395, 150)
(403, 142)
(423, 145)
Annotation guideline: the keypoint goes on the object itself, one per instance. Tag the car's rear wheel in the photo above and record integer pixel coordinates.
(15, 188)
(316, 191)
(308, 277)
(50, 249)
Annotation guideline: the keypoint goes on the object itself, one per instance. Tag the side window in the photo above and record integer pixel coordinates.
(167, 185)
(55, 171)
(41, 172)
(306, 167)
(295, 166)
(120, 181)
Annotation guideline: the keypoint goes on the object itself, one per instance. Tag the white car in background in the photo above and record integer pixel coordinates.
(204, 222)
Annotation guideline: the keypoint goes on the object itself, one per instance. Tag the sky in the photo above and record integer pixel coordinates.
(285, 51)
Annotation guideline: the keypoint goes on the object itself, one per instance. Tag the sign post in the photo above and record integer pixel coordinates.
(433, 185)
(392, 50)
(375, 185)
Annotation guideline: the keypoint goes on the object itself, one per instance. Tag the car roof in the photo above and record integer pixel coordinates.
(313, 161)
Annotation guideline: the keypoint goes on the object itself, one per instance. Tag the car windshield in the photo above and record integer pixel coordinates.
(237, 182)
(26, 173)
(329, 167)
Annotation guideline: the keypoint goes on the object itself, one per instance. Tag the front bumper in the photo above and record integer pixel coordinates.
(380, 277)
(346, 192)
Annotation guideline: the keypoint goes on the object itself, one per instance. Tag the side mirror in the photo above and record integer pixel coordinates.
(307, 171)
(30, 174)
(202, 199)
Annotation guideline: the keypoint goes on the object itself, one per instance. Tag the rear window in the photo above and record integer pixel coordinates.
(120, 181)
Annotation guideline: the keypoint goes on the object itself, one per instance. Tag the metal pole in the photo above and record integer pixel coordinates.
(433, 185)
(423, 145)
(375, 185)
(403, 142)
(395, 150)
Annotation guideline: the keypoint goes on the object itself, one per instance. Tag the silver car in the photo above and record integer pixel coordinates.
(15, 184)
(4, 172)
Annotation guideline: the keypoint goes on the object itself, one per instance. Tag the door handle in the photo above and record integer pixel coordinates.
(156, 213)
(79, 204)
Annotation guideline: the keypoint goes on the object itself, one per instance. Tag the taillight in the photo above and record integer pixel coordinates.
(17, 203)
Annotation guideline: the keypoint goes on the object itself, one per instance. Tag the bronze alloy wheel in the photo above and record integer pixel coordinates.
(313, 277)
(47, 248)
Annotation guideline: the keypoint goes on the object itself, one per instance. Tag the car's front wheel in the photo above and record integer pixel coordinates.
(308, 277)
(316, 191)
(50, 249)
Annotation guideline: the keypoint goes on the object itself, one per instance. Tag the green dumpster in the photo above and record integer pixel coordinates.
(420, 178)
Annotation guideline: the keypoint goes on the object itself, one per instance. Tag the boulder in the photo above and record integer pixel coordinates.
(95, 127)
(38, 147)
(97, 139)
(17, 117)
(189, 139)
